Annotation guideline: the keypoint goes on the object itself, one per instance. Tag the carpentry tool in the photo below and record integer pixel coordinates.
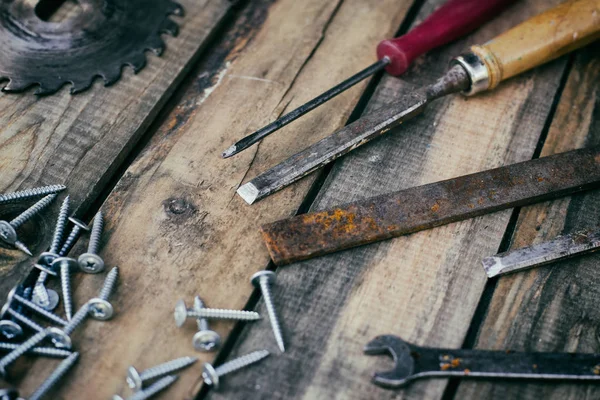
(423, 207)
(412, 362)
(560, 248)
(451, 21)
(105, 36)
(534, 42)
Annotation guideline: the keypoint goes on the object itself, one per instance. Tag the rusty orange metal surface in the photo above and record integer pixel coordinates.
(423, 207)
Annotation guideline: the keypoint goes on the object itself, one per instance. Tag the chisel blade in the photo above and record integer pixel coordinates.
(574, 244)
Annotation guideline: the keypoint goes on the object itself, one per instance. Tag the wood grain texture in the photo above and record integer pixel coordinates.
(176, 227)
(554, 307)
(423, 287)
(81, 140)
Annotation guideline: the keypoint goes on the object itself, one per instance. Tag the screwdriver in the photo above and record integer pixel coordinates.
(451, 21)
(536, 41)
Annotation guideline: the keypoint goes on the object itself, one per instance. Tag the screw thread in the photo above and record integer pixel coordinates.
(70, 242)
(31, 211)
(65, 285)
(40, 351)
(95, 236)
(202, 322)
(55, 376)
(61, 222)
(40, 310)
(217, 313)
(40, 291)
(25, 321)
(22, 349)
(167, 368)
(29, 193)
(266, 292)
(77, 319)
(153, 389)
(109, 283)
(241, 362)
(27, 293)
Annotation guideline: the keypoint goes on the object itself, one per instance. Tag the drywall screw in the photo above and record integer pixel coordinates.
(90, 261)
(10, 329)
(8, 231)
(100, 308)
(22, 319)
(62, 337)
(78, 228)
(49, 299)
(151, 390)
(55, 376)
(205, 339)
(21, 349)
(264, 280)
(211, 374)
(136, 380)
(30, 193)
(65, 265)
(39, 351)
(182, 313)
(12, 295)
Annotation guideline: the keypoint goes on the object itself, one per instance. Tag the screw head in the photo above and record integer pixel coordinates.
(256, 278)
(60, 339)
(10, 329)
(180, 313)
(53, 300)
(91, 263)
(100, 309)
(9, 394)
(61, 262)
(46, 258)
(79, 223)
(207, 340)
(46, 269)
(210, 376)
(7, 233)
(4, 310)
(134, 380)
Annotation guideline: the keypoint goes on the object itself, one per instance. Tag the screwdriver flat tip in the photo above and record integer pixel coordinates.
(248, 192)
(230, 151)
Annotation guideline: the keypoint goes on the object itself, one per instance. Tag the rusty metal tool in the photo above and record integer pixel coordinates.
(423, 207)
(451, 21)
(534, 42)
(413, 362)
(559, 248)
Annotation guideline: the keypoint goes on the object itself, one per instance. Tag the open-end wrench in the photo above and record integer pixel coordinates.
(412, 362)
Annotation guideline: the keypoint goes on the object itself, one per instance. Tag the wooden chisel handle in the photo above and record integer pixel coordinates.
(449, 22)
(547, 36)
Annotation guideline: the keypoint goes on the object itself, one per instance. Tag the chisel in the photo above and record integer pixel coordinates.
(435, 204)
(451, 21)
(560, 248)
(540, 39)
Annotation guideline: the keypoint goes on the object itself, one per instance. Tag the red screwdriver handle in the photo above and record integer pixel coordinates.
(449, 22)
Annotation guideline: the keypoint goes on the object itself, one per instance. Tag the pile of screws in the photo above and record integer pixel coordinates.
(26, 304)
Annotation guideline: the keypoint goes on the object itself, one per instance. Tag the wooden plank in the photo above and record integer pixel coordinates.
(82, 140)
(555, 307)
(424, 287)
(174, 223)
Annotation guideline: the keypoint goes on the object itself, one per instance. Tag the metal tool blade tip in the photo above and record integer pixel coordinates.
(230, 151)
(493, 266)
(248, 192)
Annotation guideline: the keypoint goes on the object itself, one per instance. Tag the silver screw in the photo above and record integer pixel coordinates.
(211, 374)
(182, 313)
(91, 262)
(22, 319)
(21, 349)
(151, 390)
(66, 265)
(55, 376)
(12, 295)
(39, 351)
(78, 228)
(205, 339)
(62, 337)
(136, 380)
(100, 307)
(264, 280)
(30, 193)
(10, 329)
(8, 232)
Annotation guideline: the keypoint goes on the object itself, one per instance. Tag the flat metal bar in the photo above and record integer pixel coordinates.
(560, 248)
(423, 207)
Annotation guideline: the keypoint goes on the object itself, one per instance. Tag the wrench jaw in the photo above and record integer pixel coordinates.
(402, 354)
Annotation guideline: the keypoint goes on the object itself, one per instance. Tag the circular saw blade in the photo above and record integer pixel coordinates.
(97, 42)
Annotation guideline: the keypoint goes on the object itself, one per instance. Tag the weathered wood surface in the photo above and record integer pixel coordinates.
(424, 287)
(174, 224)
(81, 140)
(555, 307)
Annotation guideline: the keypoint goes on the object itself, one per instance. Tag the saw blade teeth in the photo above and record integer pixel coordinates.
(176, 9)
(80, 86)
(137, 63)
(14, 85)
(46, 88)
(155, 45)
(169, 26)
(111, 76)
